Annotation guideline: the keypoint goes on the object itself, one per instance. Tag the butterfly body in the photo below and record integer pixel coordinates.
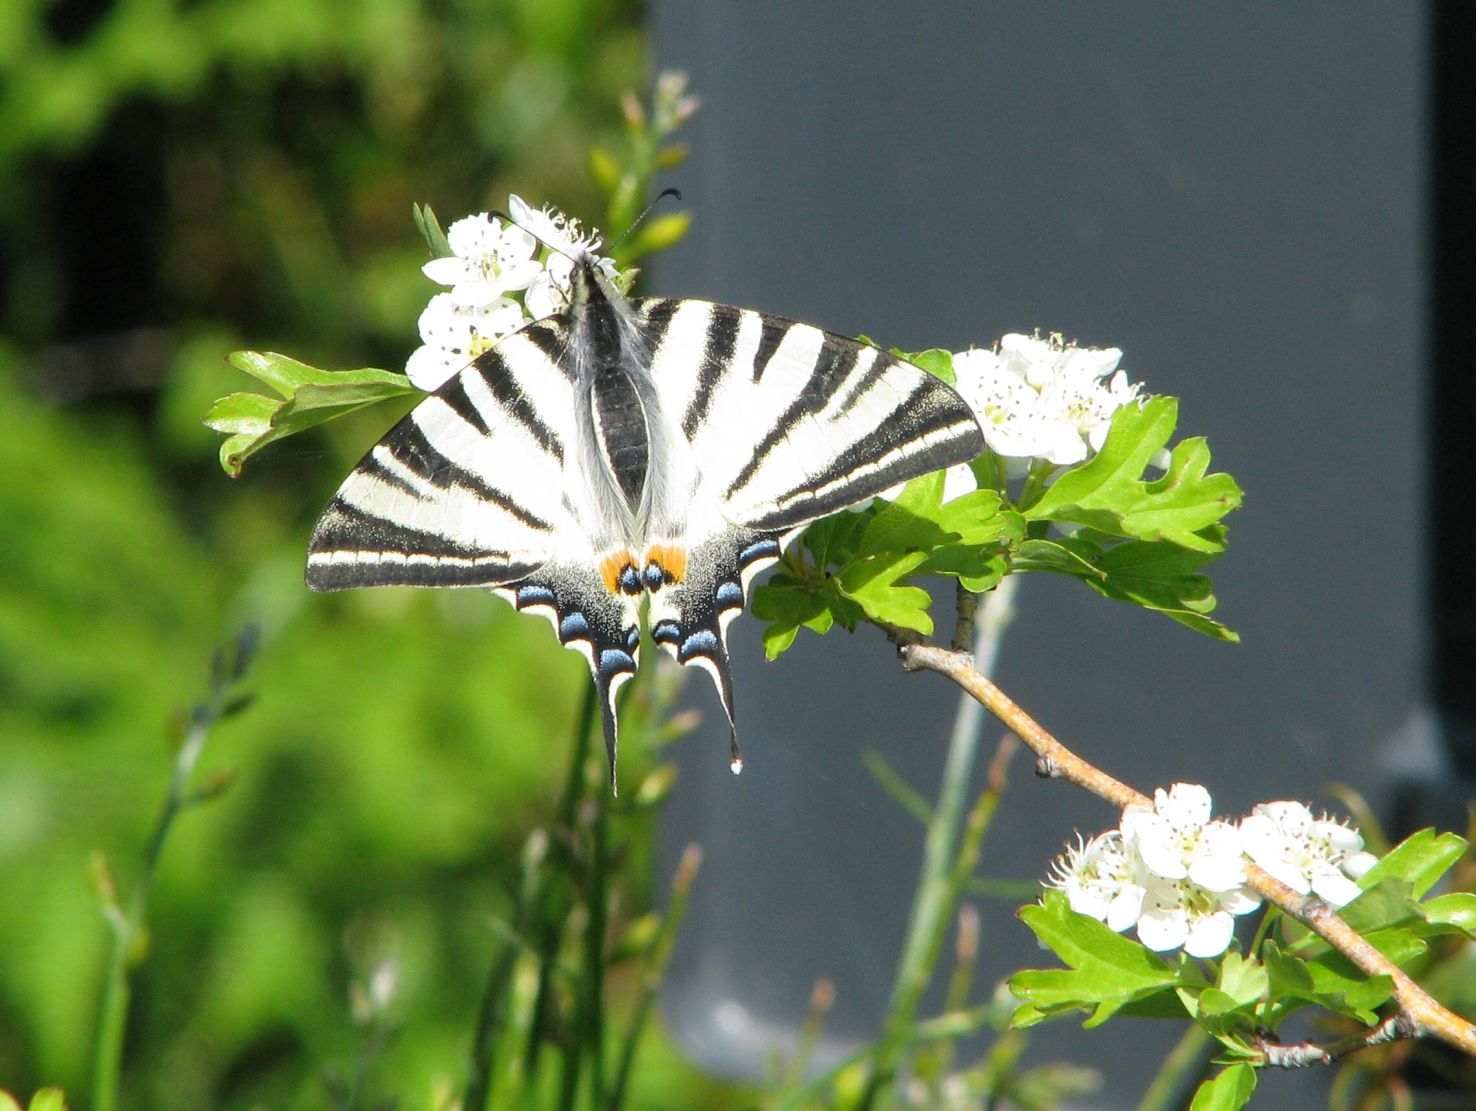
(626, 451)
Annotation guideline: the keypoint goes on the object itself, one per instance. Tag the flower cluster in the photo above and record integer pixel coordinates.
(1179, 875)
(501, 275)
(1042, 398)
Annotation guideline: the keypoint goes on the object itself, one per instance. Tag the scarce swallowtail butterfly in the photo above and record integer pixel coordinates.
(624, 450)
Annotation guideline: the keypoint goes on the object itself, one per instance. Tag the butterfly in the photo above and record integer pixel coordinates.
(623, 451)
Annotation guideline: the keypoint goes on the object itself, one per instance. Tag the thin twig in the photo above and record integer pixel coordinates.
(1423, 1013)
(1298, 1056)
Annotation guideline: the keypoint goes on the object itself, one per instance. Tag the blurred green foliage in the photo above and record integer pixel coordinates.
(177, 181)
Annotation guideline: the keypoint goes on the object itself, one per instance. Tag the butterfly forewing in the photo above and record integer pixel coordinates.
(788, 423)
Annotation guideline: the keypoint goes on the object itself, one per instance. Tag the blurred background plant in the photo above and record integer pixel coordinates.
(178, 181)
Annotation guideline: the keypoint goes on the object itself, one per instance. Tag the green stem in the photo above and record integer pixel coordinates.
(938, 888)
(593, 1024)
(1188, 1055)
(655, 967)
(492, 1018)
(551, 917)
(131, 926)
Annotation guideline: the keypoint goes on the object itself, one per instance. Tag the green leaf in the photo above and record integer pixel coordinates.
(1106, 971)
(1421, 858)
(977, 568)
(830, 540)
(871, 583)
(934, 360)
(604, 169)
(310, 397)
(1108, 493)
(1153, 574)
(1244, 980)
(790, 604)
(657, 234)
(1230, 1090)
(1390, 902)
(430, 229)
(1456, 909)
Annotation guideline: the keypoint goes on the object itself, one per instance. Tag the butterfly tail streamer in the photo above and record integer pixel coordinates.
(690, 619)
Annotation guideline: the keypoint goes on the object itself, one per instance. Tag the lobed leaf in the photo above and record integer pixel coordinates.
(1108, 492)
(1106, 971)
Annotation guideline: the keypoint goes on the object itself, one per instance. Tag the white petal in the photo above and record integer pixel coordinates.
(1090, 901)
(1209, 934)
(1261, 839)
(1293, 818)
(1330, 884)
(1240, 901)
(447, 271)
(1162, 929)
(1185, 804)
(430, 368)
(1125, 907)
(1357, 864)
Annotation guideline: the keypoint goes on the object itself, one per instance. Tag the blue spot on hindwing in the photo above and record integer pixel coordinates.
(629, 580)
(654, 576)
(613, 661)
(729, 595)
(768, 548)
(574, 626)
(632, 639)
(533, 595)
(666, 632)
(703, 642)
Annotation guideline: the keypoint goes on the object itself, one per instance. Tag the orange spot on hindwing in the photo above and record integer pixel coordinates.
(618, 572)
(665, 565)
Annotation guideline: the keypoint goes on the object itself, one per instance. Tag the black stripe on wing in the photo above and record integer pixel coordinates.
(351, 548)
(925, 432)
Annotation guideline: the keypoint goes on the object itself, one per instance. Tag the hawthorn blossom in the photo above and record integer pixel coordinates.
(452, 335)
(1102, 879)
(1181, 913)
(1043, 398)
(1177, 840)
(1168, 869)
(488, 260)
(548, 292)
(499, 278)
(1307, 854)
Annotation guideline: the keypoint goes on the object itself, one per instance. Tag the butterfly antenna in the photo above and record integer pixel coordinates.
(641, 219)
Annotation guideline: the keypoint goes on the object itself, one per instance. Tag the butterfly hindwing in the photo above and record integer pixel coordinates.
(600, 624)
(690, 618)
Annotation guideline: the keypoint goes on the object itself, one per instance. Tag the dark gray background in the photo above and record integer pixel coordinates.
(1231, 194)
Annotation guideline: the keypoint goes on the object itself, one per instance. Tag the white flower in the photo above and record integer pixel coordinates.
(1307, 854)
(453, 335)
(566, 241)
(1177, 840)
(489, 259)
(1041, 398)
(1181, 913)
(551, 227)
(1102, 879)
